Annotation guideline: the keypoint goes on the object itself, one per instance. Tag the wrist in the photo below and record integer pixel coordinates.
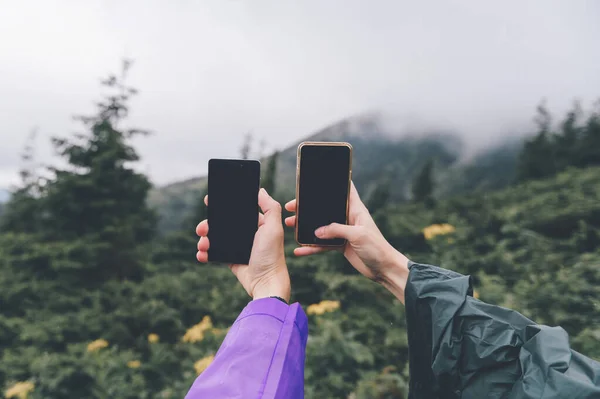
(276, 285)
(395, 273)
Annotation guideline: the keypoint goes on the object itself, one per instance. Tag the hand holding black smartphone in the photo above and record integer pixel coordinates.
(233, 186)
(323, 178)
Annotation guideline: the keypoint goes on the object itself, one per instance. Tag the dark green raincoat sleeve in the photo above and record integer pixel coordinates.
(460, 347)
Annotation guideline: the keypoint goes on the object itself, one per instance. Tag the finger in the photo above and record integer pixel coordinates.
(206, 200)
(304, 251)
(336, 230)
(203, 244)
(202, 256)
(202, 228)
(270, 207)
(354, 197)
(290, 221)
(291, 206)
(261, 219)
(234, 269)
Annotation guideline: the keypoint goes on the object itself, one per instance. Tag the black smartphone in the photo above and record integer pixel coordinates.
(233, 186)
(323, 178)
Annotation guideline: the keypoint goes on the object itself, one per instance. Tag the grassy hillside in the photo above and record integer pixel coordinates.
(534, 247)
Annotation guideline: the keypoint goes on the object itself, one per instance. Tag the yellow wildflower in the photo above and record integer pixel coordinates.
(196, 333)
(203, 363)
(134, 364)
(388, 369)
(97, 345)
(153, 338)
(475, 294)
(20, 390)
(217, 331)
(438, 229)
(323, 307)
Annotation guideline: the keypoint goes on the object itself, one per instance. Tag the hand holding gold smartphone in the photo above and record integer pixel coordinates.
(323, 177)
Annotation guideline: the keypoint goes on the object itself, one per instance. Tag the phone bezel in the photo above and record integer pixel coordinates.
(233, 258)
(298, 159)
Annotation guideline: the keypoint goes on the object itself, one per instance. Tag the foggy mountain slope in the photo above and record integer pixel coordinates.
(490, 169)
(174, 201)
(4, 195)
(380, 155)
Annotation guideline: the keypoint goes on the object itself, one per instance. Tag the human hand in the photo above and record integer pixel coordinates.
(266, 273)
(366, 249)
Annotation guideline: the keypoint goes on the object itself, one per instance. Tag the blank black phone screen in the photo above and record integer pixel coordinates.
(232, 209)
(323, 182)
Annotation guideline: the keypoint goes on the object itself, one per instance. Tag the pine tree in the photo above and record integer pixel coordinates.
(270, 174)
(537, 159)
(99, 198)
(376, 202)
(422, 187)
(566, 142)
(590, 141)
(380, 196)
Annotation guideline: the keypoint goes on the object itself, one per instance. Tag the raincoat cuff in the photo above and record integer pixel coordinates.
(277, 309)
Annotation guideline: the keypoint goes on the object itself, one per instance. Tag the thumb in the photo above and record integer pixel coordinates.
(337, 230)
(270, 207)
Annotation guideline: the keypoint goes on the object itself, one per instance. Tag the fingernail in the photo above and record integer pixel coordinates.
(319, 232)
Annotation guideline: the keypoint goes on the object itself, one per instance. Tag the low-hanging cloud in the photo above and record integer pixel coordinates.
(209, 72)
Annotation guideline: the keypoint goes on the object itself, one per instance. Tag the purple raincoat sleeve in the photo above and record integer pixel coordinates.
(262, 356)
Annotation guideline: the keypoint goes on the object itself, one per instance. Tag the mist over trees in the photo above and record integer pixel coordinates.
(575, 142)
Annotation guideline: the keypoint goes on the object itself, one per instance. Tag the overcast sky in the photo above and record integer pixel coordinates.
(210, 71)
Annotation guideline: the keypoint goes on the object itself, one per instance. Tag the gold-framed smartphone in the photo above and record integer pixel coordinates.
(323, 180)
